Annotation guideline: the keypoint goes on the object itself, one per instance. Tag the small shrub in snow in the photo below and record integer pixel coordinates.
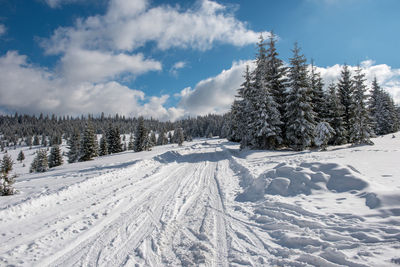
(323, 133)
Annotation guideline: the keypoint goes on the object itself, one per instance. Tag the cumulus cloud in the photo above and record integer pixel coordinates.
(41, 91)
(128, 25)
(215, 94)
(3, 29)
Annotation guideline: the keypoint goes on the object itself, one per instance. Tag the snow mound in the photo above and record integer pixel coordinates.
(288, 180)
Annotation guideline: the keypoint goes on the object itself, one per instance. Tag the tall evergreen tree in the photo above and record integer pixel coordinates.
(345, 89)
(55, 157)
(162, 138)
(103, 149)
(300, 122)
(264, 125)
(179, 136)
(335, 112)
(318, 95)
(360, 120)
(275, 75)
(141, 137)
(74, 145)
(131, 144)
(6, 164)
(88, 144)
(153, 139)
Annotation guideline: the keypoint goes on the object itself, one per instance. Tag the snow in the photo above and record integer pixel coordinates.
(208, 204)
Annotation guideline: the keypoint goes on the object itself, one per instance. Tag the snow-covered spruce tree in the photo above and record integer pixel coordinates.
(345, 89)
(335, 112)
(44, 140)
(88, 144)
(382, 110)
(74, 145)
(6, 164)
(113, 139)
(131, 143)
(162, 138)
(179, 137)
(323, 133)
(40, 162)
(36, 141)
(153, 139)
(264, 118)
(300, 118)
(103, 149)
(21, 156)
(275, 76)
(360, 120)
(141, 137)
(6, 181)
(55, 157)
(238, 116)
(318, 96)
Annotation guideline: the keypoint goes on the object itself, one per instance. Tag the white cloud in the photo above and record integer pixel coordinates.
(94, 66)
(41, 91)
(3, 29)
(128, 25)
(178, 65)
(215, 94)
(58, 3)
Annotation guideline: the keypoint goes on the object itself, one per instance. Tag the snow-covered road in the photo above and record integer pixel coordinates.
(190, 206)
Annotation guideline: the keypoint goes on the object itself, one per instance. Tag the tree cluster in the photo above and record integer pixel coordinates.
(279, 106)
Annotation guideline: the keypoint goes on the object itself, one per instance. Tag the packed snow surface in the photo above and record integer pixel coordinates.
(209, 204)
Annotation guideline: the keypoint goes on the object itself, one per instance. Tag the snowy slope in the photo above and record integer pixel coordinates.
(209, 204)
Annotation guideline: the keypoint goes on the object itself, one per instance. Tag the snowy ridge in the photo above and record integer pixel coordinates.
(209, 204)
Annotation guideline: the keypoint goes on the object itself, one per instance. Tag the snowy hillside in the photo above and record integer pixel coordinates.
(209, 204)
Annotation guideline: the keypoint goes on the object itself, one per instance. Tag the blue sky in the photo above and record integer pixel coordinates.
(169, 59)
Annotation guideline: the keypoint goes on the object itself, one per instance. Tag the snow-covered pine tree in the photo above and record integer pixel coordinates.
(238, 116)
(323, 133)
(88, 144)
(103, 149)
(40, 162)
(162, 138)
(6, 164)
(382, 110)
(345, 90)
(153, 139)
(318, 96)
(360, 120)
(74, 145)
(21, 156)
(264, 125)
(36, 141)
(131, 143)
(141, 137)
(44, 140)
(55, 157)
(276, 77)
(299, 116)
(113, 139)
(335, 112)
(179, 137)
(6, 181)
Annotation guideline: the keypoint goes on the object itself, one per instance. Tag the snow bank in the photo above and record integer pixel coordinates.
(289, 180)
